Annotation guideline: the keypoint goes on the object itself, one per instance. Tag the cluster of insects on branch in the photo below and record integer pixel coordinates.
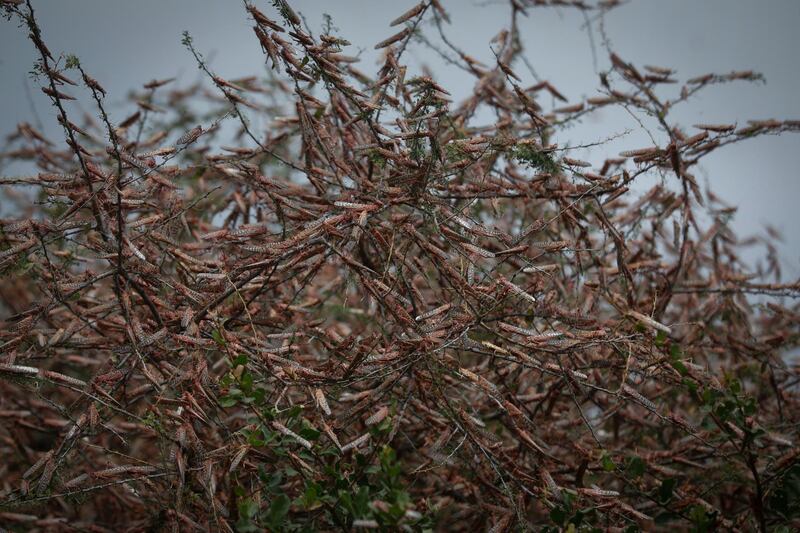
(381, 310)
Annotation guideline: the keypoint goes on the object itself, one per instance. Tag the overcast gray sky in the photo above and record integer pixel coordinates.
(125, 43)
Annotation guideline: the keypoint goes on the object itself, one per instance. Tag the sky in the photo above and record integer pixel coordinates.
(124, 44)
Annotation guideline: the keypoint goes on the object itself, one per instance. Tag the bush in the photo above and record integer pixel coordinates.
(382, 312)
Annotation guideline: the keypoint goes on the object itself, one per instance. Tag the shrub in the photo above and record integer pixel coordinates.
(381, 312)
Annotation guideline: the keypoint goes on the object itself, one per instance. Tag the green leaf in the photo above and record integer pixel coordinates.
(558, 515)
(246, 382)
(666, 489)
(72, 62)
(309, 433)
(254, 439)
(247, 508)
(186, 40)
(660, 338)
(258, 396)
(636, 466)
(679, 366)
(701, 519)
(228, 401)
(274, 481)
(218, 338)
(310, 496)
(278, 510)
